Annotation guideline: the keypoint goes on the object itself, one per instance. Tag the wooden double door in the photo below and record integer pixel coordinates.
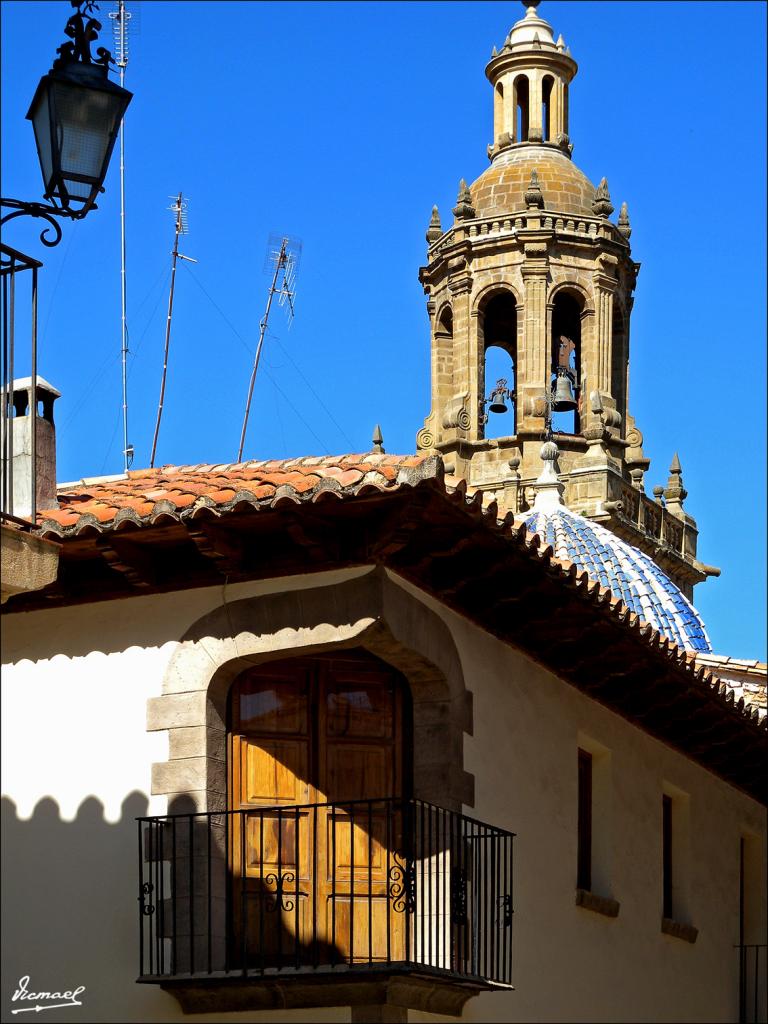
(317, 749)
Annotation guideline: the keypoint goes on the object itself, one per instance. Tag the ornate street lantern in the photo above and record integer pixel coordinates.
(76, 114)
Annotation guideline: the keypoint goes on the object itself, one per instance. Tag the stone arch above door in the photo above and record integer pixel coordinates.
(370, 612)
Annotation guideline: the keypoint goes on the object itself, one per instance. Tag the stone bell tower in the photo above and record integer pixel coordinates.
(533, 267)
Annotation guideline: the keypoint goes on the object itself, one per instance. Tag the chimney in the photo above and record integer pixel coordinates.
(17, 474)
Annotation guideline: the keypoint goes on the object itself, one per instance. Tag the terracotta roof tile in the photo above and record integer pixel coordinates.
(145, 492)
(182, 486)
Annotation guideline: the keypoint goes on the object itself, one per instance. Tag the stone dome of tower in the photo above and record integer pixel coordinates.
(627, 572)
(501, 188)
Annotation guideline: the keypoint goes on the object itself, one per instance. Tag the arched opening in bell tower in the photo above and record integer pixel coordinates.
(567, 312)
(546, 107)
(444, 350)
(521, 108)
(498, 111)
(498, 335)
(565, 108)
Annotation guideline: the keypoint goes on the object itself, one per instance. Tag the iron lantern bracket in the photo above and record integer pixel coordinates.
(41, 211)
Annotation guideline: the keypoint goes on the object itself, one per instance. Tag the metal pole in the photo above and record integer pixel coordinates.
(175, 256)
(122, 62)
(262, 331)
(33, 404)
(11, 372)
(4, 410)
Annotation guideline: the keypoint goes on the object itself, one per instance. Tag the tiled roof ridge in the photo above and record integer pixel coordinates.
(318, 461)
(631, 573)
(751, 665)
(411, 472)
(602, 597)
(143, 495)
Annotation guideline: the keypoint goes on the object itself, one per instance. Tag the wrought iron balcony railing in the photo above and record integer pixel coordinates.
(364, 885)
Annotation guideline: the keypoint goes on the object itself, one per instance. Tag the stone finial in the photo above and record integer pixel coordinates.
(602, 204)
(623, 222)
(378, 442)
(464, 210)
(560, 43)
(435, 230)
(533, 194)
(494, 53)
(658, 494)
(548, 489)
(536, 44)
(674, 492)
(635, 460)
(530, 6)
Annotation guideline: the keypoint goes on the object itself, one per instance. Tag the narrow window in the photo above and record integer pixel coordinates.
(546, 108)
(666, 865)
(565, 109)
(584, 848)
(521, 114)
(753, 930)
(498, 112)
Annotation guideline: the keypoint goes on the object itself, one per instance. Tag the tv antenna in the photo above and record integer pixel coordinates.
(283, 255)
(121, 18)
(179, 210)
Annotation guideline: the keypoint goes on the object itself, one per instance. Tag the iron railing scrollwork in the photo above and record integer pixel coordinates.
(145, 899)
(504, 917)
(364, 884)
(281, 901)
(402, 884)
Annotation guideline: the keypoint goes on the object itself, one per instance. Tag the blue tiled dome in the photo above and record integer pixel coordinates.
(628, 573)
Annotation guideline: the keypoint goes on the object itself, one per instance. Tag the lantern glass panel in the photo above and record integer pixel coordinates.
(41, 123)
(85, 124)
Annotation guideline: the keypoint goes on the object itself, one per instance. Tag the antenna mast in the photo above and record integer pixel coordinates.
(286, 262)
(179, 208)
(120, 21)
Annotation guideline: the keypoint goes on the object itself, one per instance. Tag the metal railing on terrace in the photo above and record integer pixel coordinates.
(753, 984)
(362, 885)
(13, 265)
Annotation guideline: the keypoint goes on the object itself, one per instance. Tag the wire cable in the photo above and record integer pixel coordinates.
(328, 412)
(135, 352)
(64, 258)
(216, 306)
(112, 440)
(250, 351)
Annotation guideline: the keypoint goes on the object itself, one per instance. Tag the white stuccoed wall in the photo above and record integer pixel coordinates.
(572, 964)
(76, 766)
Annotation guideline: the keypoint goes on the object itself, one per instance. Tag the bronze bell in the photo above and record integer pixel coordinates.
(562, 397)
(498, 398)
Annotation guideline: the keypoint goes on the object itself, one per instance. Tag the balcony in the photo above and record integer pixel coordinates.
(370, 901)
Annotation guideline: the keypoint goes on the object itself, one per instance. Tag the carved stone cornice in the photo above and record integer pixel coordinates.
(604, 281)
(461, 283)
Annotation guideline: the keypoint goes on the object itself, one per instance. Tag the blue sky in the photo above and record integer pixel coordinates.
(342, 124)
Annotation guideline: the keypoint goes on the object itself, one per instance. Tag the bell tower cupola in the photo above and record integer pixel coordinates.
(530, 290)
(530, 76)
